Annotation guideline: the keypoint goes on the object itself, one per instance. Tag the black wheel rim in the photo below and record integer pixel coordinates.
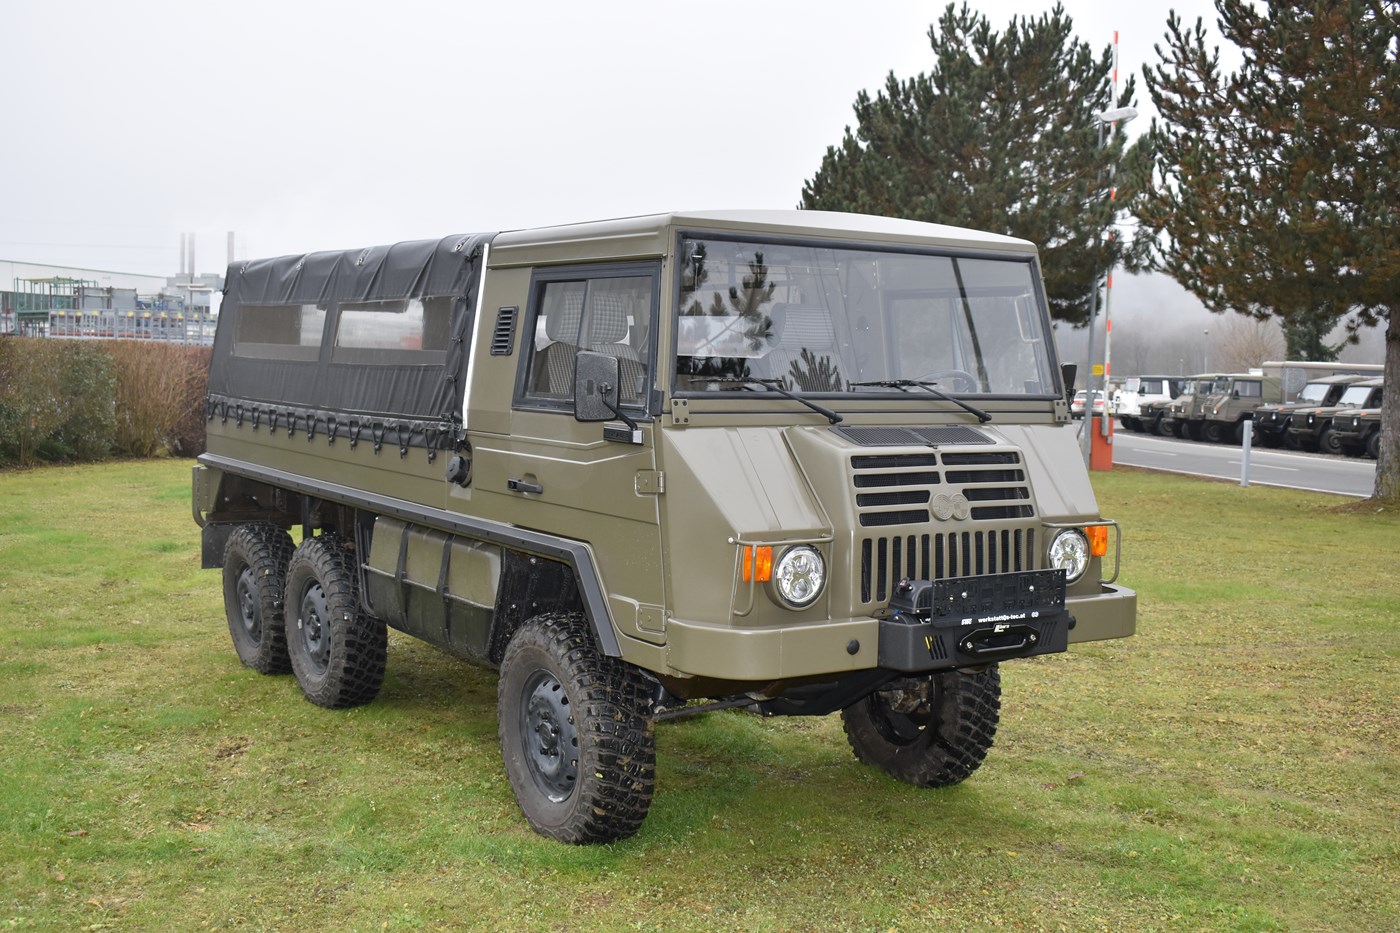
(248, 614)
(549, 735)
(313, 624)
(895, 727)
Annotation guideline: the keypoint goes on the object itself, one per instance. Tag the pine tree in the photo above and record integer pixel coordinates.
(1275, 186)
(1001, 135)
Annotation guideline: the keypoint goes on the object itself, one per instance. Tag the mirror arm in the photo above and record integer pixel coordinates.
(606, 390)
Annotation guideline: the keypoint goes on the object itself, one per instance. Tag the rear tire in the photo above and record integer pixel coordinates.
(337, 651)
(255, 583)
(577, 735)
(934, 732)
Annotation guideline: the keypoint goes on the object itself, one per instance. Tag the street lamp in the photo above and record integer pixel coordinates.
(1205, 351)
(1108, 118)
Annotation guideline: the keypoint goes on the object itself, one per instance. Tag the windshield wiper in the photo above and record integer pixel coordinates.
(777, 386)
(930, 387)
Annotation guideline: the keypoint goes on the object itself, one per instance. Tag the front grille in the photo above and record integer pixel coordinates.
(885, 561)
(896, 496)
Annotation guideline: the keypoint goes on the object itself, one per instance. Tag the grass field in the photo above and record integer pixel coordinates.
(1232, 767)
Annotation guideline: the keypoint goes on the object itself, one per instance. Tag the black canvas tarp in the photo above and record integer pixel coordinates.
(297, 358)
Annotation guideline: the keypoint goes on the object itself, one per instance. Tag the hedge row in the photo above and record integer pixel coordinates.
(67, 400)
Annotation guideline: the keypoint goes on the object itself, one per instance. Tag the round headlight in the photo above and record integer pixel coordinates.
(1069, 551)
(799, 576)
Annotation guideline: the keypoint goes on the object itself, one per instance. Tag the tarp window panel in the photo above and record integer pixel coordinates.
(398, 320)
(279, 332)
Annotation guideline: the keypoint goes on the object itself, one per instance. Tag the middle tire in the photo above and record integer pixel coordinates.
(337, 650)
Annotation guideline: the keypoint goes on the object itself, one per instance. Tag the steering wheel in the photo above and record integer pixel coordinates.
(960, 375)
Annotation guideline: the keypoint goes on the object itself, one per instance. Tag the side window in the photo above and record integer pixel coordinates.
(278, 332)
(411, 331)
(603, 312)
(1250, 389)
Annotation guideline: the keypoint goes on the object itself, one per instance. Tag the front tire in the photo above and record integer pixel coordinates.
(576, 732)
(255, 582)
(930, 731)
(1213, 432)
(337, 651)
(1330, 442)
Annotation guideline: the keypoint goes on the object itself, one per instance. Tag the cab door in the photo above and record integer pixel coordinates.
(551, 473)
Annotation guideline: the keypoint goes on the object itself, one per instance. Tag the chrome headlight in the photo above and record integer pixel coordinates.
(799, 576)
(1069, 551)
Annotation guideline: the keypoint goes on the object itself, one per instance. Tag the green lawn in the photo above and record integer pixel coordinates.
(1232, 767)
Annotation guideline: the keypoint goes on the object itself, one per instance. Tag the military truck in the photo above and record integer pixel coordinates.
(1223, 416)
(1138, 391)
(1358, 431)
(789, 462)
(1154, 416)
(1311, 428)
(1184, 415)
(1271, 421)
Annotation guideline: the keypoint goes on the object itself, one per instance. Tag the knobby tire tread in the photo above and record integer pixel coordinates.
(617, 759)
(359, 643)
(267, 550)
(951, 747)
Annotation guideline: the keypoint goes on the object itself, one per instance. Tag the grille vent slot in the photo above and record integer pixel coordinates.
(503, 337)
(885, 561)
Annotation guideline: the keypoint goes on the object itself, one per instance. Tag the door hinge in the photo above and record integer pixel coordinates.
(650, 482)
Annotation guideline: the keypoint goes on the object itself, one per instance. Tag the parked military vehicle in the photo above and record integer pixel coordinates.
(1271, 420)
(1185, 415)
(1358, 431)
(789, 462)
(1223, 416)
(1311, 428)
(1138, 391)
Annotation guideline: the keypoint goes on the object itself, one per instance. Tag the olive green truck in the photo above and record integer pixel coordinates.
(791, 462)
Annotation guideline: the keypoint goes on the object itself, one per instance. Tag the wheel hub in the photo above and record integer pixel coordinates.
(313, 623)
(550, 736)
(248, 605)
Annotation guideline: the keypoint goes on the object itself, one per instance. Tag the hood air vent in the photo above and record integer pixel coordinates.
(939, 436)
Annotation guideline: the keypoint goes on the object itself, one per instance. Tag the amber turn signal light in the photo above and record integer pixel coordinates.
(758, 564)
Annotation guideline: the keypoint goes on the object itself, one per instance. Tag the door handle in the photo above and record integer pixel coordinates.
(519, 485)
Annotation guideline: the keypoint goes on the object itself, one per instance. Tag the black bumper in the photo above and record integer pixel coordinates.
(967, 621)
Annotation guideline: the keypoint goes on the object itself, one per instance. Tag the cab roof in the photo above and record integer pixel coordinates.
(651, 234)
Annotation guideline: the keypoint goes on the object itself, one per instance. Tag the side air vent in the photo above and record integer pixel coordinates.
(503, 337)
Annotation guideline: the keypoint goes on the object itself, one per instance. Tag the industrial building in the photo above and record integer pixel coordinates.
(41, 300)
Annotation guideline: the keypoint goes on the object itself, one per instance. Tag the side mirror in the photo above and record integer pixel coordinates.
(595, 386)
(1067, 373)
(596, 395)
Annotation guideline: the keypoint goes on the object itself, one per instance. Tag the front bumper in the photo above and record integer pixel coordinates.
(763, 655)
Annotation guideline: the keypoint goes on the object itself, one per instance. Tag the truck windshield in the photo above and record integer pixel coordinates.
(1354, 397)
(834, 320)
(1314, 392)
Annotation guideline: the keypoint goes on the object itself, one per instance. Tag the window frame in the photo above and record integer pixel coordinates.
(1030, 260)
(587, 272)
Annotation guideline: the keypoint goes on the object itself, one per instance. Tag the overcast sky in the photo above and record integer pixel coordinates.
(304, 126)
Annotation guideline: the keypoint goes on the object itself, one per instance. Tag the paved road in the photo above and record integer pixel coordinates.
(1344, 476)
